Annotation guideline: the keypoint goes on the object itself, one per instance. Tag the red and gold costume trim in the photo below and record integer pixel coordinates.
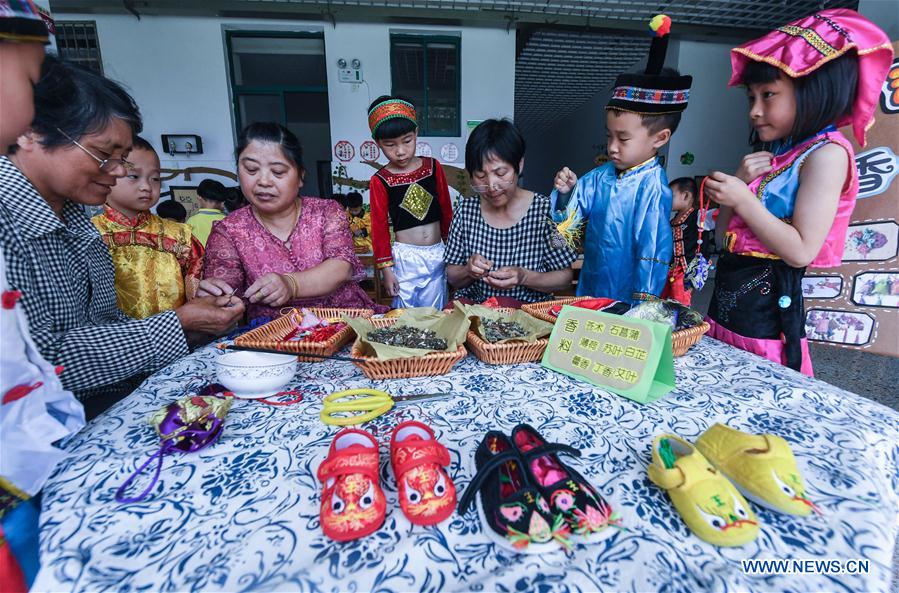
(390, 109)
(387, 190)
(158, 263)
(680, 256)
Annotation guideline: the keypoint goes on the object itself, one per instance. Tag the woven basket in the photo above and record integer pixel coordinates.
(433, 363)
(681, 340)
(541, 310)
(270, 336)
(505, 352)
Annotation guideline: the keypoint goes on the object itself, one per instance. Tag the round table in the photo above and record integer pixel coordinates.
(242, 514)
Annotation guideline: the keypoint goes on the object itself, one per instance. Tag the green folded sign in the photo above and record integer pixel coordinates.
(630, 357)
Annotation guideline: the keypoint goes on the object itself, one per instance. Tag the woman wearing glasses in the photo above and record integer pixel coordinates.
(500, 245)
(72, 155)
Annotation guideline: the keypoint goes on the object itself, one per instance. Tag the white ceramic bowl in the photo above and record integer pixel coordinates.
(255, 374)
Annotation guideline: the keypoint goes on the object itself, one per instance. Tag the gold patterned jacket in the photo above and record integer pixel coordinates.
(158, 263)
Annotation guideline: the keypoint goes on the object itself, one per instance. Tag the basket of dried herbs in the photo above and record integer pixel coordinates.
(505, 336)
(419, 343)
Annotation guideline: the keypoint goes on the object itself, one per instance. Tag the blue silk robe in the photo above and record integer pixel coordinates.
(627, 243)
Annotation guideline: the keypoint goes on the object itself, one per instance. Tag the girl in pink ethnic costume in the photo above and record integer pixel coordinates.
(790, 208)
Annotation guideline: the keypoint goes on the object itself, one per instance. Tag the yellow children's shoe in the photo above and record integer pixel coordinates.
(761, 466)
(710, 505)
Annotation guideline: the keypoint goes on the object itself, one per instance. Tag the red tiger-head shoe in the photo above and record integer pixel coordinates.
(353, 504)
(427, 495)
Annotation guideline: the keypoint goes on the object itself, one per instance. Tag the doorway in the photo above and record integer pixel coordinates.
(282, 77)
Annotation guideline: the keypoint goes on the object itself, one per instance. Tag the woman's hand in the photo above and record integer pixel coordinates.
(754, 165)
(727, 190)
(478, 266)
(213, 287)
(506, 278)
(565, 180)
(271, 289)
(389, 282)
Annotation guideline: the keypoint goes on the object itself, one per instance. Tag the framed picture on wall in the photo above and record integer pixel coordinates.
(186, 195)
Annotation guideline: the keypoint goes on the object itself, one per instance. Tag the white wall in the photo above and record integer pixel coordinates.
(715, 126)
(176, 69)
(488, 85)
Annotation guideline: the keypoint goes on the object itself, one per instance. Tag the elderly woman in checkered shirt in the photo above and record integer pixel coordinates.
(501, 244)
(71, 156)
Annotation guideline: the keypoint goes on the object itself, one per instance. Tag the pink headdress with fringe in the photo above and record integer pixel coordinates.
(806, 44)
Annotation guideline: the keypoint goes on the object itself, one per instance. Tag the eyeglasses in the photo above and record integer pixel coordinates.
(496, 186)
(106, 165)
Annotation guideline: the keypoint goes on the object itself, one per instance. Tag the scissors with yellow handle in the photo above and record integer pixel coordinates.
(371, 402)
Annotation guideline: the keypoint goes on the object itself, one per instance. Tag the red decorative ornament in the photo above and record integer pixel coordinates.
(369, 151)
(660, 25)
(19, 391)
(344, 151)
(10, 297)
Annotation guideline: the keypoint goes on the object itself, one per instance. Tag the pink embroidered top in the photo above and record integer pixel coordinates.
(778, 189)
(240, 250)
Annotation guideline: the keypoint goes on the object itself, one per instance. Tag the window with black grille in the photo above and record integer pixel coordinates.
(77, 42)
(425, 69)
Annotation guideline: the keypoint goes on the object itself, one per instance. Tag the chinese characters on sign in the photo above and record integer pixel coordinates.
(876, 169)
(609, 353)
(369, 151)
(344, 151)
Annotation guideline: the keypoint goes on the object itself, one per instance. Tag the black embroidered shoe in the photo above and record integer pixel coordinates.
(587, 513)
(514, 513)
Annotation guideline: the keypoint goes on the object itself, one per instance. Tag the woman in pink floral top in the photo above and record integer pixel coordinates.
(281, 250)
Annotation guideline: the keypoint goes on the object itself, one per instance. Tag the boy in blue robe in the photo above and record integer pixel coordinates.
(625, 204)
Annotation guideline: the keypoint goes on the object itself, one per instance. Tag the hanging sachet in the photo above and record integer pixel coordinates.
(187, 425)
(697, 271)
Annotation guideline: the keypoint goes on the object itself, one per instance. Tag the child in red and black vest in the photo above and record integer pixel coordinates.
(412, 190)
(685, 233)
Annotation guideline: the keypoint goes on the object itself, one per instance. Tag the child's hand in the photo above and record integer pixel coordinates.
(478, 266)
(389, 282)
(506, 278)
(565, 180)
(754, 165)
(727, 190)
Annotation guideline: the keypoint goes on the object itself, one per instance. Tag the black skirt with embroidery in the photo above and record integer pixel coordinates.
(761, 299)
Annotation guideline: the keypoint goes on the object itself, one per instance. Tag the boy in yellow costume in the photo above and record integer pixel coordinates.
(360, 222)
(158, 263)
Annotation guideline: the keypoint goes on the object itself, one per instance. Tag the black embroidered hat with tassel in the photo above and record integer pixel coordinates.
(658, 90)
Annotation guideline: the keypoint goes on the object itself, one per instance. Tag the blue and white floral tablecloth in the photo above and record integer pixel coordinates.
(242, 515)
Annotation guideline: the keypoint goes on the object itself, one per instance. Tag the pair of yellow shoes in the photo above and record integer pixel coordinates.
(708, 495)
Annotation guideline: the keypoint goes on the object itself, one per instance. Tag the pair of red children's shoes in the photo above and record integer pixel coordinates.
(353, 504)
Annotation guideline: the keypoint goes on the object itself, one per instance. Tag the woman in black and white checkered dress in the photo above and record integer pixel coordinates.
(500, 244)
